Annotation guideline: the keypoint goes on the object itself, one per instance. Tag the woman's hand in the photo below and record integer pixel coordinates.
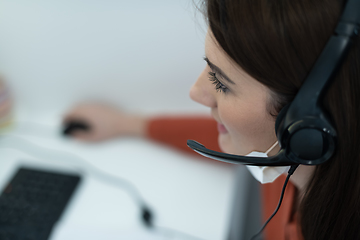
(105, 122)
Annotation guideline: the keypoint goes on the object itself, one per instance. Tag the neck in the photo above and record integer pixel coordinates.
(301, 177)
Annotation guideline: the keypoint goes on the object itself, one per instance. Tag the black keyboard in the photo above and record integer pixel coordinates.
(32, 202)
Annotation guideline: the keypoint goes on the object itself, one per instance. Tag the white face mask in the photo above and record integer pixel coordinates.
(266, 174)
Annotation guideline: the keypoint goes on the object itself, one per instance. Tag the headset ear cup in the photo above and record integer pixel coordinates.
(280, 117)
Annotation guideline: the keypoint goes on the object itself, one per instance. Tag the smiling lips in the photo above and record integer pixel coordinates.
(221, 128)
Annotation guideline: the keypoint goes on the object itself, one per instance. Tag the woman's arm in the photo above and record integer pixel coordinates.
(176, 130)
(107, 122)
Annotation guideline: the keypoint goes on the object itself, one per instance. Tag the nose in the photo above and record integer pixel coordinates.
(202, 91)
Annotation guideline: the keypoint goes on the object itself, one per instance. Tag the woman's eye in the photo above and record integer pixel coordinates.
(218, 85)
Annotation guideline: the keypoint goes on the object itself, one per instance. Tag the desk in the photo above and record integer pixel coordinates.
(186, 193)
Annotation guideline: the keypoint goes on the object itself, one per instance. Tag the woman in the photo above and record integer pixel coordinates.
(258, 54)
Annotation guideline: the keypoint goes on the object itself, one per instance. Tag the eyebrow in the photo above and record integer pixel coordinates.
(218, 70)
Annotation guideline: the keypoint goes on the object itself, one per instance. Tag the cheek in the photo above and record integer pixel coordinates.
(250, 127)
(243, 120)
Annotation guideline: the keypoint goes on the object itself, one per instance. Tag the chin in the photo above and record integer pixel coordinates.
(225, 144)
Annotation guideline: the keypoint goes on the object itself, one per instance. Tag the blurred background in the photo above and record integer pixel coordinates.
(139, 55)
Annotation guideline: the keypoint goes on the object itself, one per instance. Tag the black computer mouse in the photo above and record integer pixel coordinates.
(75, 125)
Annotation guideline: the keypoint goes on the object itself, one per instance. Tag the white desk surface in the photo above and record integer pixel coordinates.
(186, 193)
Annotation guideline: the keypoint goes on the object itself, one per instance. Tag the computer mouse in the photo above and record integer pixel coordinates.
(76, 125)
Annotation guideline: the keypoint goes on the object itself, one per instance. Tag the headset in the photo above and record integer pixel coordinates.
(304, 131)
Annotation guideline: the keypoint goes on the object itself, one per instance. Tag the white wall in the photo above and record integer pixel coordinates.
(140, 55)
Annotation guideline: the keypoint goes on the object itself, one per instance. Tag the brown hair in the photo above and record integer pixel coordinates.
(277, 43)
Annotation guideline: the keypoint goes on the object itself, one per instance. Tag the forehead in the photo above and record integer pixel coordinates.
(212, 48)
(217, 55)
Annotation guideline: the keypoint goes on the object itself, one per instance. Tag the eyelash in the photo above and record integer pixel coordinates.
(218, 85)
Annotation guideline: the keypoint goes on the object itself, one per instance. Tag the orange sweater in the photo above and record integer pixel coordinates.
(174, 131)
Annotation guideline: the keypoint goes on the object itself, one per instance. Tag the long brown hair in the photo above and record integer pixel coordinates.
(277, 43)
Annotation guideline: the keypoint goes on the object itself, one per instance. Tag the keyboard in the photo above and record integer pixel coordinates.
(32, 202)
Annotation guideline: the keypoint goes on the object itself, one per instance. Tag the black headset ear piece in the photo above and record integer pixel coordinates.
(305, 139)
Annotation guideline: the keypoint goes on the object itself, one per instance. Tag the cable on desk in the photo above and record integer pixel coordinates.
(15, 142)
